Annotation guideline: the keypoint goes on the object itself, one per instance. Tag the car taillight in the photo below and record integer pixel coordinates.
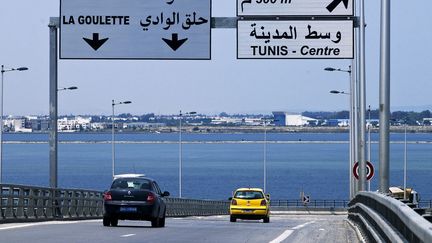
(150, 198)
(233, 202)
(263, 202)
(107, 196)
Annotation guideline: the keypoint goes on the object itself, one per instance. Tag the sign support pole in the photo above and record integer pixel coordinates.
(384, 99)
(362, 101)
(53, 76)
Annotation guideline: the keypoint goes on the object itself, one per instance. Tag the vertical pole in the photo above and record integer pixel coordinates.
(362, 101)
(1, 124)
(112, 140)
(351, 133)
(384, 106)
(405, 163)
(53, 74)
(180, 156)
(265, 156)
(369, 142)
(355, 77)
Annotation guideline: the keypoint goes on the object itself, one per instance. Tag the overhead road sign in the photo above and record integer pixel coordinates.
(135, 29)
(295, 8)
(285, 39)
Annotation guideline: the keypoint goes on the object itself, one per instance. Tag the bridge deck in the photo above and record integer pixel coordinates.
(282, 228)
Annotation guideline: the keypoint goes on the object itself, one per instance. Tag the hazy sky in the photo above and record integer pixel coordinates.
(221, 84)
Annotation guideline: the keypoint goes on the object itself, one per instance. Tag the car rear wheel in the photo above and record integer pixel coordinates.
(266, 219)
(106, 221)
(114, 222)
(162, 222)
(233, 219)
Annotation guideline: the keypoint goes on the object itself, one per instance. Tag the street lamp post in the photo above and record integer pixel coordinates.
(112, 132)
(353, 122)
(180, 150)
(3, 70)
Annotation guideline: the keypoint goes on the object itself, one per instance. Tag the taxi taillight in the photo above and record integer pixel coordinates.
(233, 202)
(107, 196)
(263, 202)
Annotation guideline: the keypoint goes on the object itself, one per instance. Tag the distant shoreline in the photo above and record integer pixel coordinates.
(244, 129)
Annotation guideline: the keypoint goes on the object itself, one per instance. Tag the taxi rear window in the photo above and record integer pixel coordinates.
(249, 195)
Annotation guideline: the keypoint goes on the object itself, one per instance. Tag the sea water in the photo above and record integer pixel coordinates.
(214, 170)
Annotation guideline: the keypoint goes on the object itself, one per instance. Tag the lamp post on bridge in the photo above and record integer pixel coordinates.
(352, 121)
(180, 149)
(113, 104)
(3, 70)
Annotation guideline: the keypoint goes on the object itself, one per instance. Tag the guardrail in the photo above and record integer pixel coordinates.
(20, 203)
(385, 219)
(30, 203)
(317, 203)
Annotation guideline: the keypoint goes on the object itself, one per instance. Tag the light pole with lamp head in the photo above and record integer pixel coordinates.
(3, 70)
(112, 132)
(180, 149)
(352, 120)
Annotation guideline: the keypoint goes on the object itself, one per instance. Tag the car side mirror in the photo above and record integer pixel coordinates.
(165, 194)
(230, 198)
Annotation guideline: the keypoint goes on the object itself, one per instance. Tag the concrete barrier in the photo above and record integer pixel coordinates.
(385, 219)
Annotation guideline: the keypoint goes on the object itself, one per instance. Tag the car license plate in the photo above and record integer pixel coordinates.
(248, 211)
(128, 209)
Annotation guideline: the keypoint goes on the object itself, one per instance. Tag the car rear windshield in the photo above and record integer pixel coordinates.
(131, 183)
(249, 195)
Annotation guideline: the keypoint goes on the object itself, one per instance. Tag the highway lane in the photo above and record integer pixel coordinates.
(282, 228)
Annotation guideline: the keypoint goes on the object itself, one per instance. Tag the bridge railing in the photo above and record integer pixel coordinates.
(20, 203)
(385, 219)
(317, 203)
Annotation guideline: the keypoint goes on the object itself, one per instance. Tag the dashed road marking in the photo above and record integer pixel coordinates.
(287, 233)
(129, 235)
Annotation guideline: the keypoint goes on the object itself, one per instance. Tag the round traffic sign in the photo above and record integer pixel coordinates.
(369, 170)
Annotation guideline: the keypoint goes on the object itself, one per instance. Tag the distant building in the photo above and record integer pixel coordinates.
(285, 119)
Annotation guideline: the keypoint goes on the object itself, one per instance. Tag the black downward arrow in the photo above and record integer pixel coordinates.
(336, 3)
(174, 43)
(95, 43)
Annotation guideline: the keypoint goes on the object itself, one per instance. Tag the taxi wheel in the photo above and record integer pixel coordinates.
(233, 219)
(266, 219)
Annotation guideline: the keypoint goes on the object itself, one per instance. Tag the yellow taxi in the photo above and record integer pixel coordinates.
(250, 203)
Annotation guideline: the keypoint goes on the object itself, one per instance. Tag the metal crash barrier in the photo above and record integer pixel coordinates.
(384, 219)
(20, 203)
(29, 203)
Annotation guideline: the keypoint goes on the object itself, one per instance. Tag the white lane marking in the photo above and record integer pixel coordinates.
(129, 235)
(287, 233)
(282, 237)
(321, 229)
(17, 226)
(302, 225)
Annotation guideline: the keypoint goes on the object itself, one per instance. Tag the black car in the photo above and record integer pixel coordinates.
(134, 197)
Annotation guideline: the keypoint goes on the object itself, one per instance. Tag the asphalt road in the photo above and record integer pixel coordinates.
(282, 228)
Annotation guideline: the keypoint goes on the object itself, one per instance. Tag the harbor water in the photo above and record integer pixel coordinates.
(214, 164)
